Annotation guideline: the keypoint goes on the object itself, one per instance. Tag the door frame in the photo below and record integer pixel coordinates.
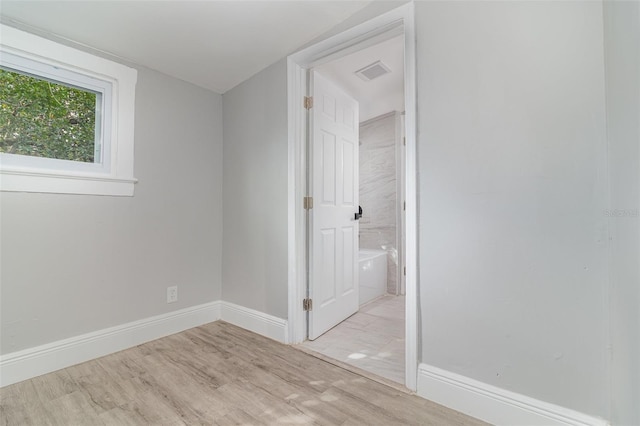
(396, 21)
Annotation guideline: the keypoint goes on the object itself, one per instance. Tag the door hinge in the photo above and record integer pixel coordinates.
(404, 140)
(308, 102)
(308, 203)
(404, 205)
(405, 270)
(307, 304)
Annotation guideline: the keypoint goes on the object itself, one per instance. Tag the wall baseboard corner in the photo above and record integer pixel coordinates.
(492, 404)
(258, 322)
(26, 364)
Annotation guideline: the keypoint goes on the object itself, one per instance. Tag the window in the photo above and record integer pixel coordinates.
(66, 119)
(47, 113)
(45, 118)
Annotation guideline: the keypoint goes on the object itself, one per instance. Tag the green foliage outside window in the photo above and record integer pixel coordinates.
(44, 119)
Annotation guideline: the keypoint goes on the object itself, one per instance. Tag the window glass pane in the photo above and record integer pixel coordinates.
(42, 118)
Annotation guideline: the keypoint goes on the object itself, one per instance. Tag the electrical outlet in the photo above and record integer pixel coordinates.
(172, 294)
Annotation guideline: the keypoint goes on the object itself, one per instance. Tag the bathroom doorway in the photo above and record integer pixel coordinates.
(400, 21)
(370, 333)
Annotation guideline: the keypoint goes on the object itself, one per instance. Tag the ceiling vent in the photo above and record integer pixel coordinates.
(373, 71)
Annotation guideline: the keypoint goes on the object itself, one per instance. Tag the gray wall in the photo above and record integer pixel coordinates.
(254, 260)
(512, 174)
(512, 165)
(622, 52)
(512, 162)
(73, 264)
(378, 191)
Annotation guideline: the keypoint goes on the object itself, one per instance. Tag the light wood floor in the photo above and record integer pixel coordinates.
(217, 374)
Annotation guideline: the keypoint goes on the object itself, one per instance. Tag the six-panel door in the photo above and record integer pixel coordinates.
(333, 247)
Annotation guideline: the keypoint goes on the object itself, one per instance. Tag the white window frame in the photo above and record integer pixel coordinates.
(102, 139)
(113, 173)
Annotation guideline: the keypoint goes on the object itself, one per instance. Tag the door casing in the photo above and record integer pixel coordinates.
(399, 20)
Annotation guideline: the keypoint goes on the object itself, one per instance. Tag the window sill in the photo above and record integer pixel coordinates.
(65, 183)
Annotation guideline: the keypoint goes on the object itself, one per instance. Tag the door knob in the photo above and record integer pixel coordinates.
(357, 216)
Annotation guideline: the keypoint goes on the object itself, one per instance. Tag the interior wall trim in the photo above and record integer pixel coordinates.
(258, 322)
(22, 365)
(492, 404)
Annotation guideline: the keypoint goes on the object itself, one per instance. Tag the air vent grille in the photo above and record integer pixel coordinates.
(372, 71)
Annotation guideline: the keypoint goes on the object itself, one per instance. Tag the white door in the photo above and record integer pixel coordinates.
(334, 184)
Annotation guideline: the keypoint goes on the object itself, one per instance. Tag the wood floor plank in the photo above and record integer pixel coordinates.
(103, 392)
(216, 374)
(20, 405)
(72, 409)
(120, 417)
(153, 408)
(259, 403)
(54, 385)
(238, 417)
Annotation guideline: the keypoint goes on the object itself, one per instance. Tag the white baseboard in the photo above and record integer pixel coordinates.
(264, 324)
(492, 404)
(22, 365)
(32, 362)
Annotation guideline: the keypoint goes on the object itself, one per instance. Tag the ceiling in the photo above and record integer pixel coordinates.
(378, 96)
(213, 44)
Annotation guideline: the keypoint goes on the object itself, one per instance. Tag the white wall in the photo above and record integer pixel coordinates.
(254, 259)
(622, 53)
(73, 264)
(512, 165)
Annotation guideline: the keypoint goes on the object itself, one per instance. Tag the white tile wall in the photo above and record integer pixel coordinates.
(378, 191)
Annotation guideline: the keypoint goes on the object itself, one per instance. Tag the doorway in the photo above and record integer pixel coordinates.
(358, 318)
(384, 27)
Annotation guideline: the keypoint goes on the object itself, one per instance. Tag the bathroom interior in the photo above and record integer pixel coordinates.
(373, 339)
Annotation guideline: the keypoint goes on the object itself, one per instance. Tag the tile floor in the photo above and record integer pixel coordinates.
(371, 339)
